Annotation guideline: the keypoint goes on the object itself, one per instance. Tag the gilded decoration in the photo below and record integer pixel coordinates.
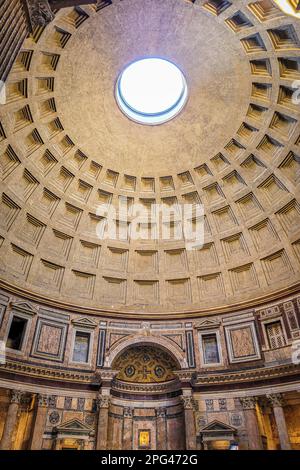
(145, 364)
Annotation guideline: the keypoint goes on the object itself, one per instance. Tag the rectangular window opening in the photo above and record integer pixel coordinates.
(81, 347)
(16, 333)
(210, 349)
(275, 335)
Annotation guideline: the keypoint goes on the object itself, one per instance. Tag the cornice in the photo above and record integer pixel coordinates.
(168, 315)
(247, 376)
(36, 372)
(146, 387)
(39, 371)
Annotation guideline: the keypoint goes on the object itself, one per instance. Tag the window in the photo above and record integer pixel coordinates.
(81, 347)
(275, 335)
(210, 349)
(16, 333)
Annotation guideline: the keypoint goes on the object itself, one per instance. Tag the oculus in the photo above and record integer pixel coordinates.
(151, 91)
(290, 7)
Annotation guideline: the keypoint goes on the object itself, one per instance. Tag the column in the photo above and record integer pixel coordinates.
(103, 403)
(161, 429)
(277, 401)
(189, 418)
(11, 420)
(254, 437)
(127, 430)
(39, 423)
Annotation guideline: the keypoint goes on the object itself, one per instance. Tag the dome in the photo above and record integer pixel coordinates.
(70, 158)
(149, 226)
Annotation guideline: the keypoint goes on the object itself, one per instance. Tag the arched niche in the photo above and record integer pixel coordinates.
(165, 344)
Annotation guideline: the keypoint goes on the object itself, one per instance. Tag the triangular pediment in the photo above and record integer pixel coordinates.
(24, 307)
(216, 426)
(84, 321)
(207, 324)
(74, 425)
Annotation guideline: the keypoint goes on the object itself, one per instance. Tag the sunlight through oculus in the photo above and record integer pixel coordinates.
(151, 91)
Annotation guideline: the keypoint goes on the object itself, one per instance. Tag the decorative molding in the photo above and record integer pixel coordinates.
(169, 315)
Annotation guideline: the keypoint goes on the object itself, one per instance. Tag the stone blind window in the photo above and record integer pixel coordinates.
(275, 335)
(81, 347)
(16, 333)
(210, 349)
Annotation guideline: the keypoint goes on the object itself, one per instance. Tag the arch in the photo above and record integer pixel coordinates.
(134, 340)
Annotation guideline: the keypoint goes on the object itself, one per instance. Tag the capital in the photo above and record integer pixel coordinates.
(276, 399)
(103, 401)
(128, 412)
(161, 412)
(188, 403)
(248, 403)
(42, 400)
(16, 396)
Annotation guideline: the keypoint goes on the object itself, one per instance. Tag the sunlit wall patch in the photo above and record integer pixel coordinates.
(290, 7)
(151, 90)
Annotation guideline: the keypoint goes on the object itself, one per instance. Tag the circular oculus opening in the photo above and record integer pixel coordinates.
(151, 91)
